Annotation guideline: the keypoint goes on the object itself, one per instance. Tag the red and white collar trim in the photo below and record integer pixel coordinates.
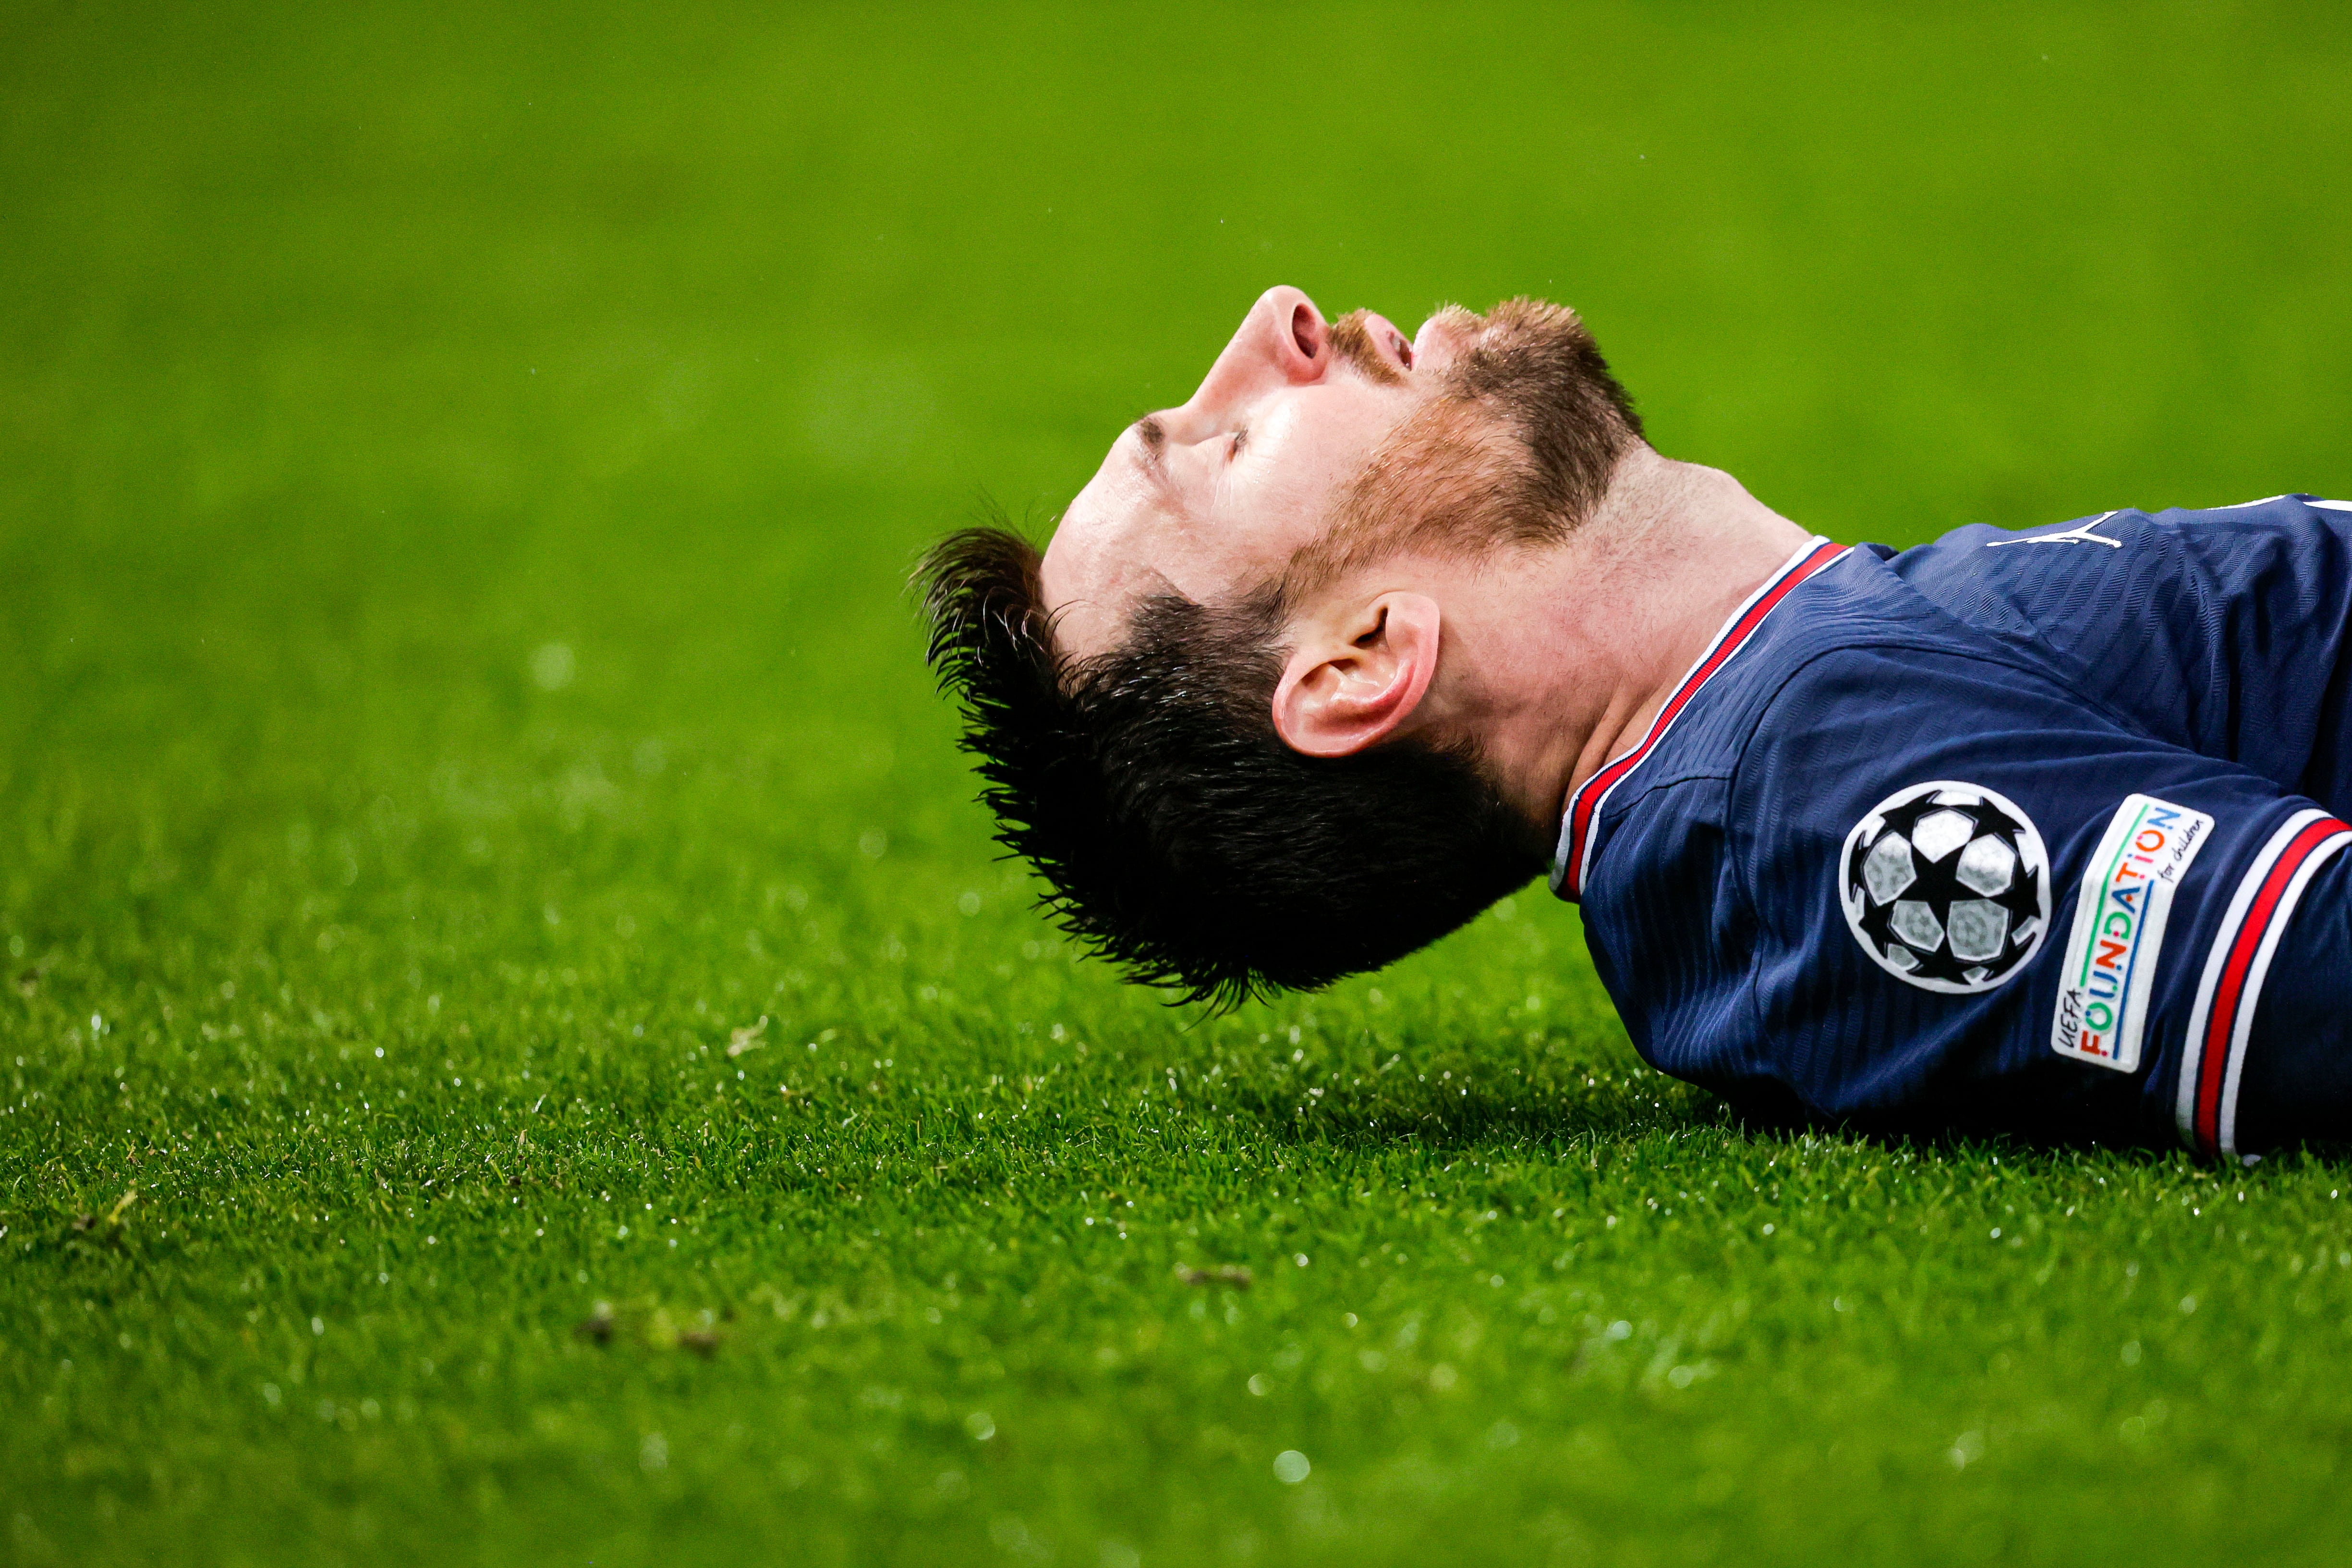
(1569, 865)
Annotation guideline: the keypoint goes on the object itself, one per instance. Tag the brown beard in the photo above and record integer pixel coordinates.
(1515, 446)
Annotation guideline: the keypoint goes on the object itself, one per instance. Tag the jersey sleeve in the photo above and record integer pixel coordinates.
(2293, 1081)
(1977, 896)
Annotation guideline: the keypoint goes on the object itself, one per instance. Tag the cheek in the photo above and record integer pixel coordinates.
(1333, 439)
(1252, 539)
(1281, 497)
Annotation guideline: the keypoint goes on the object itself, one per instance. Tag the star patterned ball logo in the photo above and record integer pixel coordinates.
(1947, 886)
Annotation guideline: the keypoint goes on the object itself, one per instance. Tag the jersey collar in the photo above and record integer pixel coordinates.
(1572, 860)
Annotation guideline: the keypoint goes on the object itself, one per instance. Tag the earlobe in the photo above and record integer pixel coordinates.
(1354, 681)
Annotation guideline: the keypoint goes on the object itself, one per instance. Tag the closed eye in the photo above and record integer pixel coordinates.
(1233, 446)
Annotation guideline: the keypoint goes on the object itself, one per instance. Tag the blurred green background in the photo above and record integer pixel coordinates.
(457, 469)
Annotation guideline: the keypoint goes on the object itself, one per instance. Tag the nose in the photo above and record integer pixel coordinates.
(1284, 339)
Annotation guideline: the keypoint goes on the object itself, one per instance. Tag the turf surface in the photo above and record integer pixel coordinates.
(455, 471)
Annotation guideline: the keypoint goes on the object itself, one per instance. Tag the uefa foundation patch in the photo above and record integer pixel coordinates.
(2118, 935)
(1947, 885)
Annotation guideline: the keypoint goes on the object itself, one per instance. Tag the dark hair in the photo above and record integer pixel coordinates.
(1179, 836)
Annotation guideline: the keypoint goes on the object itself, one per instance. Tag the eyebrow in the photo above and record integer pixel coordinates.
(1149, 431)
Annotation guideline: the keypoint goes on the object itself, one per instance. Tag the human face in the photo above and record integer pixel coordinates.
(1215, 496)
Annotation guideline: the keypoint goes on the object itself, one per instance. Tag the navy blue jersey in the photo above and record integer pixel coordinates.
(2034, 830)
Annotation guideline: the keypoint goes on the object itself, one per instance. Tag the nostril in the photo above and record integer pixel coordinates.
(1304, 331)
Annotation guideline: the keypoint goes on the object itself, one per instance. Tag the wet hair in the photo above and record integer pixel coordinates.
(1179, 836)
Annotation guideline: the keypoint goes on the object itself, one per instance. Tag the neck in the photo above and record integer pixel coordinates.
(1556, 659)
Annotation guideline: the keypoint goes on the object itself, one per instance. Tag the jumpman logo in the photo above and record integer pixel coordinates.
(2079, 534)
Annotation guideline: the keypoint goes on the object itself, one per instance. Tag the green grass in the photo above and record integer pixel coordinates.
(354, 363)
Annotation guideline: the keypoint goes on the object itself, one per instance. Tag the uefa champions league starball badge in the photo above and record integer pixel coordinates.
(1947, 885)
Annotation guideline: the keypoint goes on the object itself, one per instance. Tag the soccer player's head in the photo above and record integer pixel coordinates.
(1205, 715)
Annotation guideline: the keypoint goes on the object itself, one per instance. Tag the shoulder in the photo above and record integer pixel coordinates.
(1879, 680)
(1976, 774)
(2123, 558)
(1850, 722)
(1862, 644)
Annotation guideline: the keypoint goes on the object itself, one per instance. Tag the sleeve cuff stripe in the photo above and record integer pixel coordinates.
(2213, 1051)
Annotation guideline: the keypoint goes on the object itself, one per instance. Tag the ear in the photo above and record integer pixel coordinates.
(1353, 679)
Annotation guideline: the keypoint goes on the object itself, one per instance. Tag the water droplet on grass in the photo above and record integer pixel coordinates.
(552, 666)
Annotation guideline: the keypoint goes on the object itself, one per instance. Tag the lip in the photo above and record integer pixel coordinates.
(1388, 339)
(1423, 340)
